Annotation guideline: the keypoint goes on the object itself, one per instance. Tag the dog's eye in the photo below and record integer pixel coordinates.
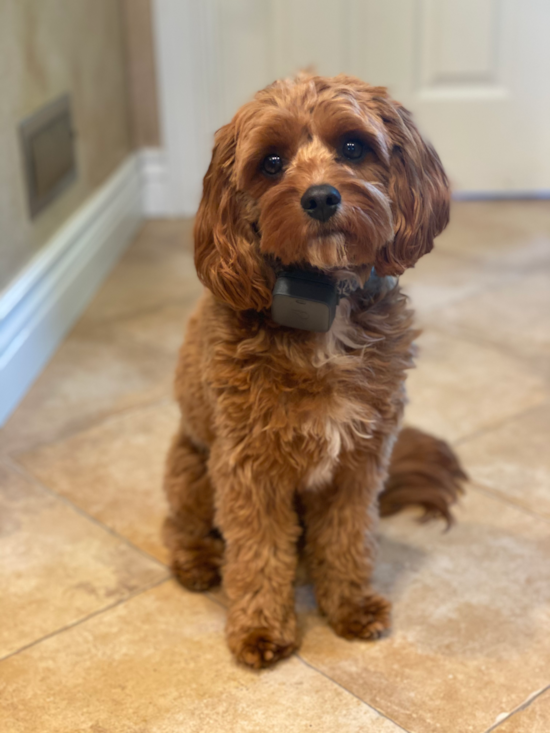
(353, 149)
(272, 164)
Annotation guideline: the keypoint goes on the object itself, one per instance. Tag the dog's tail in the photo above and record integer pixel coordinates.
(424, 471)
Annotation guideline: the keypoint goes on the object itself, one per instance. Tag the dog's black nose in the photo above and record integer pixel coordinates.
(321, 202)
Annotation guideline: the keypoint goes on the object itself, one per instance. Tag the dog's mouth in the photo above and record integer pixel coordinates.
(323, 235)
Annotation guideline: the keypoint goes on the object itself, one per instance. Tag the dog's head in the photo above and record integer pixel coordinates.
(324, 173)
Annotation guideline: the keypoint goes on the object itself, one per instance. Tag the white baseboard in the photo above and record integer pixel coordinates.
(155, 187)
(519, 195)
(42, 303)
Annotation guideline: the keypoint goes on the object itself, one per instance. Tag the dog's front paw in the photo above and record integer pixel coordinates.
(366, 619)
(259, 648)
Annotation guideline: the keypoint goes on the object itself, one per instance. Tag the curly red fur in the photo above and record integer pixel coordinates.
(286, 435)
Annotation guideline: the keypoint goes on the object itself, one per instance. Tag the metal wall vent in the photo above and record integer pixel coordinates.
(47, 138)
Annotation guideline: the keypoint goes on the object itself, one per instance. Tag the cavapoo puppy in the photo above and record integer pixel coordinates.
(323, 191)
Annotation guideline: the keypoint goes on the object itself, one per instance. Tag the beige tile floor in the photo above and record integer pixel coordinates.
(95, 636)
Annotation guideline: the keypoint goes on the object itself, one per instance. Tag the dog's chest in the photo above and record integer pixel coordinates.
(324, 461)
(341, 424)
(327, 411)
(298, 403)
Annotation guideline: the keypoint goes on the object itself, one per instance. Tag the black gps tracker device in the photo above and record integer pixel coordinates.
(304, 300)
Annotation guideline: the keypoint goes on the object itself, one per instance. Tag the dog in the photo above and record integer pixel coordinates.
(292, 437)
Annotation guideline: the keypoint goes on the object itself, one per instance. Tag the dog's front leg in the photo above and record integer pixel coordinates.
(340, 548)
(255, 512)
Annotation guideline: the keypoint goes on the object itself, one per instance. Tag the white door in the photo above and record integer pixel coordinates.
(476, 73)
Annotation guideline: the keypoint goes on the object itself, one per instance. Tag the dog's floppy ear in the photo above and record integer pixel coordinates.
(225, 257)
(420, 195)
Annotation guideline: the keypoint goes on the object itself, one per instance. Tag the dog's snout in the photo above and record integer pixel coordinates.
(321, 202)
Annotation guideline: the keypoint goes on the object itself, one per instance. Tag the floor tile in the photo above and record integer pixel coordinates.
(165, 235)
(516, 316)
(443, 278)
(96, 372)
(460, 387)
(157, 268)
(514, 459)
(114, 472)
(534, 719)
(161, 328)
(506, 234)
(159, 664)
(57, 566)
(471, 622)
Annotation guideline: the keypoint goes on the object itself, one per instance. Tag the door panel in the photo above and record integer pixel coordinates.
(443, 28)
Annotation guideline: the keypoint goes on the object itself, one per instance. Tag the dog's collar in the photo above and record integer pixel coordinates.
(307, 300)
(374, 288)
(346, 282)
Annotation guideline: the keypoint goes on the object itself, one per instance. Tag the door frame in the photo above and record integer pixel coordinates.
(185, 33)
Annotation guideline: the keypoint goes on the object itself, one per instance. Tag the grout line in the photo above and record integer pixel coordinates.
(82, 620)
(215, 600)
(464, 334)
(483, 489)
(371, 707)
(94, 422)
(519, 709)
(21, 470)
(485, 287)
(495, 426)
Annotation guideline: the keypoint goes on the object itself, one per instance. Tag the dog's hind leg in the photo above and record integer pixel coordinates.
(196, 547)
